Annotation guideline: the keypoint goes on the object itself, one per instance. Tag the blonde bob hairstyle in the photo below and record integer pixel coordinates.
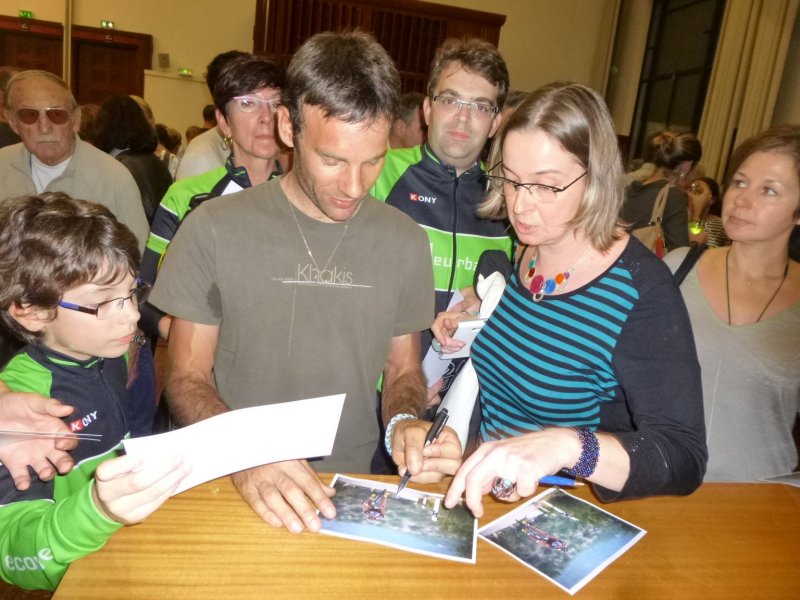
(577, 118)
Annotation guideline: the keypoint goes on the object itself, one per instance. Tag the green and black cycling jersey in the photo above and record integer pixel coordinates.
(443, 203)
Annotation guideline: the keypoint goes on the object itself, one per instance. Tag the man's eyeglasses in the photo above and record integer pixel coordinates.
(454, 105)
(109, 308)
(29, 116)
(250, 104)
(546, 194)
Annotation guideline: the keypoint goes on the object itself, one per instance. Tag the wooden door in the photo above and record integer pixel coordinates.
(31, 44)
(108, 62)
(409, 30)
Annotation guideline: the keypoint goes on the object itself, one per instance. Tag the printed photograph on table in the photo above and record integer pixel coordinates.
(564, 538)
(370, 511)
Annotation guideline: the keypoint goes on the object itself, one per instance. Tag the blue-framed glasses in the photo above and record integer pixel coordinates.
(109, 308)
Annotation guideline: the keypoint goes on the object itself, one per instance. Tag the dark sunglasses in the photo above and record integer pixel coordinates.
(29, 116)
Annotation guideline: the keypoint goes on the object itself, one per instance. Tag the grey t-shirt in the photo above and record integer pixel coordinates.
(751, 386)
(205, 152)
(287, 330)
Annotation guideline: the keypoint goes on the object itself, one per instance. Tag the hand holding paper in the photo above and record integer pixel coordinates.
(33, 413)
(240, 439)
(128, 491)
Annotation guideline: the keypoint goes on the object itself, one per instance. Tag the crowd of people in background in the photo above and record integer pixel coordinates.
(309, 239)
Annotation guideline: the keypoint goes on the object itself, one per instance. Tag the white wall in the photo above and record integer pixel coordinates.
(545, 40)
(542, 41)
(192, 32)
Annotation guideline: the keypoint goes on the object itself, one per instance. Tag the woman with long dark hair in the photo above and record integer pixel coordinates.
(122, 130)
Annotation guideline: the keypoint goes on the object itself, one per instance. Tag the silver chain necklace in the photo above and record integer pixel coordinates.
(305, 242)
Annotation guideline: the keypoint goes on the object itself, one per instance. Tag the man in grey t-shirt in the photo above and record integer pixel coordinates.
(307, 285)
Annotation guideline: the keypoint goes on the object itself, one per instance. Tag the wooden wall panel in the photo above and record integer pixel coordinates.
(31, 44)
(410, 30)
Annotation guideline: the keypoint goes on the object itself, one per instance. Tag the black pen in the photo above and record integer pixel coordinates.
(433, 433)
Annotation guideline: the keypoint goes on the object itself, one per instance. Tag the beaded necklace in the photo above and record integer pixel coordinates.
(539, 286)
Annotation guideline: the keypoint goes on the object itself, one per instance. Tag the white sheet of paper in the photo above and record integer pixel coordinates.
(248, 437)
(434, 366)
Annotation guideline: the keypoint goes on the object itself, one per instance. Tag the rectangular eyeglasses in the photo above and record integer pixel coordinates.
(109, 308)
(454, 105)
(543, 193)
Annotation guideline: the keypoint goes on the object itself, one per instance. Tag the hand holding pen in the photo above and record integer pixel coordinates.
(433, 433)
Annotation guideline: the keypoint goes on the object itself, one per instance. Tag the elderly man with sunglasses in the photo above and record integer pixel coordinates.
(51, 157)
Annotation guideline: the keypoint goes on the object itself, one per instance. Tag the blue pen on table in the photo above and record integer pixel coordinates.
(433, 433)
(559, 481)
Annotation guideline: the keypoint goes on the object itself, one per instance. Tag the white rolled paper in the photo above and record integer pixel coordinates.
(460, 398)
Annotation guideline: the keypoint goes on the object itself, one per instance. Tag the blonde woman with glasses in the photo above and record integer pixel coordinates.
(587, 365)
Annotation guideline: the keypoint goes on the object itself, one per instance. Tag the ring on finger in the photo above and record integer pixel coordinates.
(503, 488)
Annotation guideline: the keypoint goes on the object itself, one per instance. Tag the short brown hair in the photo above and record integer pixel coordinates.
(52, 243)
(475, 55)
(349, 76)
(577, 118)
(245, 75)
(784, 139)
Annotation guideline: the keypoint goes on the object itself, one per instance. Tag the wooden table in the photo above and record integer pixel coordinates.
(724, 541)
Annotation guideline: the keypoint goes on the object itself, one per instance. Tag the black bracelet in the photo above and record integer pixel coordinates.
(590, 452)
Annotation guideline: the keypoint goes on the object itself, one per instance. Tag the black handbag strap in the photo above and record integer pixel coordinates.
(695, 252)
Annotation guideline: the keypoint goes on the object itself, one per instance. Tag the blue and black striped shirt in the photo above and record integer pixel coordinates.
(560, 369)
(616, 355)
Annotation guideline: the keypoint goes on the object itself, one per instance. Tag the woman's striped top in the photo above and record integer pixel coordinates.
(616, 355)
(549, 363)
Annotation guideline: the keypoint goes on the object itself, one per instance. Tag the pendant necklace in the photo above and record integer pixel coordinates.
(305, 242)
(539, 286)
(767, 305)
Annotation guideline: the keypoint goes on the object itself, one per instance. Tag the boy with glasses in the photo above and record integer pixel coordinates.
(73, 300)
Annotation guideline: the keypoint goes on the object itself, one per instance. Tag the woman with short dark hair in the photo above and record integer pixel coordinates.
(246, 94)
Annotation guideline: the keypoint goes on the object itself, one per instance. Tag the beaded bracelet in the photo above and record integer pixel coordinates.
(590, 453)
(387, 440)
